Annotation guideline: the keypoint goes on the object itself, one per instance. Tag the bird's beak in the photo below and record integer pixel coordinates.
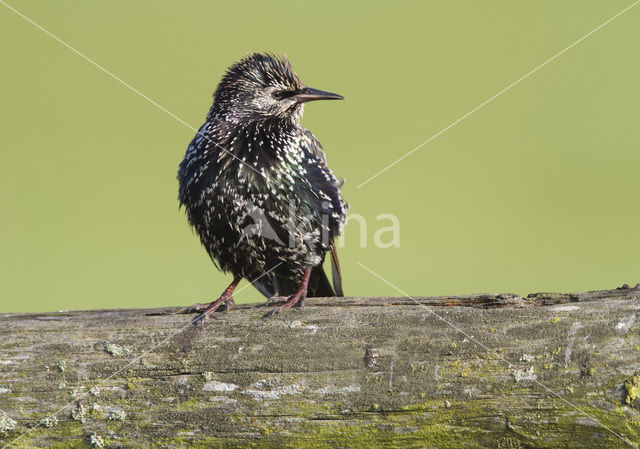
(309, 94)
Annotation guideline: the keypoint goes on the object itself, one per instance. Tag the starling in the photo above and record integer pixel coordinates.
(256, 186)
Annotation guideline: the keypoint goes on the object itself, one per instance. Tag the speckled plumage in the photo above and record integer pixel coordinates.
(255, 183)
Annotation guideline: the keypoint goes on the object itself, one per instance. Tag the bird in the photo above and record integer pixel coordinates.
(257, 189)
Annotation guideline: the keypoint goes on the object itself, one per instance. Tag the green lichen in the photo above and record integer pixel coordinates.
(115, 350)
(116, 415)
(527, 358)
(96, 440)
(6, 423)
(65, 443)
(628, 430)
(632, 386)
(132, 383)
(79, 413)
(49, 422)
(523, 374)
(508, 443)
(413, 434)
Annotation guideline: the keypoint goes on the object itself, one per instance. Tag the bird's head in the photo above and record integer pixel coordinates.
(263, 85)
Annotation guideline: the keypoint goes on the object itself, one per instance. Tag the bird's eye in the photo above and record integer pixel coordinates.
(282, 94)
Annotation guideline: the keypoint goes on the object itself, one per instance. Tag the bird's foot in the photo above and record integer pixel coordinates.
(201, 319)
(297, 299)
(275, 300)
(204, 309)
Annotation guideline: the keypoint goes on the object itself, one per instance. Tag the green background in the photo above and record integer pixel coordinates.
(536, 191)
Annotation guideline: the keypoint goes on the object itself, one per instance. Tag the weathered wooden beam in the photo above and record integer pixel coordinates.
(498, 371)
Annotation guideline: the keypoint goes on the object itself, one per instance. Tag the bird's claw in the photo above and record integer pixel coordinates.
(272, 312)
(205, 310)
(205, 316)
(275, 299)
(201, 319)
(293, 300)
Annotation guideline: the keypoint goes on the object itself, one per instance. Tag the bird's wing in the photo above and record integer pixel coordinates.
(327, 200)
(324, 186)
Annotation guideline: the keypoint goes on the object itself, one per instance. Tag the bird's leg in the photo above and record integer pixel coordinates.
(297, 298)
(226, 298)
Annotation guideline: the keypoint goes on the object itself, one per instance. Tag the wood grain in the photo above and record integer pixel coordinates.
(498, 371)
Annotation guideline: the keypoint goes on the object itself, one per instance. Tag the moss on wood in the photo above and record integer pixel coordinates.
(353, 372)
